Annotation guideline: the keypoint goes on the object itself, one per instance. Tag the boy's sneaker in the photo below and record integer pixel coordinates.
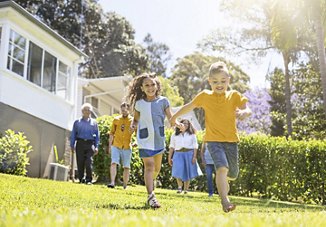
(152, 201)
(179, 190)
(110, 185)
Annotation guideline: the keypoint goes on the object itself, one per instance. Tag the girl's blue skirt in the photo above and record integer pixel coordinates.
(183, 168)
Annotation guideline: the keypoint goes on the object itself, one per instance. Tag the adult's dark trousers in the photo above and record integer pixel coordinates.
(84, 155)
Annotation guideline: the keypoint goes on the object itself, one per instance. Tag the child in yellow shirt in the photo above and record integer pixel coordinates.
(221, 109)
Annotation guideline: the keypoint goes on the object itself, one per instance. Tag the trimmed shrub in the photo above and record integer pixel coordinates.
(13, 153)
(282, 168)
(270, 167)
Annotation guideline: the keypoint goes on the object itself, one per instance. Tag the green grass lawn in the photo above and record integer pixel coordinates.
(38, 202)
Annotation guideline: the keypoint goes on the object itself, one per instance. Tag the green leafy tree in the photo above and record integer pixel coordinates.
(171, 92)
(309, 118)
(277, 102)
(159, 55)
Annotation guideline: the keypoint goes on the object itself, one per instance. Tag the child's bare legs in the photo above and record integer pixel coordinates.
(179, 182)
(223, 188)
(222, 183)
(157, 164)
(152, 169)
(149, 165)
(186, 185)
(113, 173)
(126, 173)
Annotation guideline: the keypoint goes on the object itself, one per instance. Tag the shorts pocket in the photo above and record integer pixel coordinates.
(143, 133)
(161, 131)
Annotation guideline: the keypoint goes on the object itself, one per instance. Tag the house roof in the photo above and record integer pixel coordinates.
(34, 20)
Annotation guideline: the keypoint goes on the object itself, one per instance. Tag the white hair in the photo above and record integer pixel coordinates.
(87, 105)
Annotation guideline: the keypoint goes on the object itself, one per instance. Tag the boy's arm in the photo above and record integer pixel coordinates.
(243, 112)
(184, 109)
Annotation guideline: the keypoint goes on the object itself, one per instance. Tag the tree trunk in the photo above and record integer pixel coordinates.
(320, 37)
(287, 92)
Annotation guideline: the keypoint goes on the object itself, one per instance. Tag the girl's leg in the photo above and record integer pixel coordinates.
(186, 186)
(179, 182)
(149, 165)
(157, 164)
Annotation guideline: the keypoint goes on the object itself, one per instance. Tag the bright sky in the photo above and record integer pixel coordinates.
(180, 24)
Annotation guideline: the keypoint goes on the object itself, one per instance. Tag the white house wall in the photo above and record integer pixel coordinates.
(34, 100)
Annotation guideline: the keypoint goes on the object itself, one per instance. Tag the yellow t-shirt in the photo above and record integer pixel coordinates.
(120, 131)
(220, 114)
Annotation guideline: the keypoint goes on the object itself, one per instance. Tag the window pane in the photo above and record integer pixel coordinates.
(16, 66)
(16, 53)
(49, 72)
(63, 80)
(34, 64)
(19, 54)
(17, 39)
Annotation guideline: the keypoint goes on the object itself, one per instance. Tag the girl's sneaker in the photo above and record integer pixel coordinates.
(152, 201)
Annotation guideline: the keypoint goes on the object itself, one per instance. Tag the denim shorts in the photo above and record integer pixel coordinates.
(123, 155)
(225, 154)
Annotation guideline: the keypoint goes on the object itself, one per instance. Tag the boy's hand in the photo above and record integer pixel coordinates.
(242, 114)
(181, 126)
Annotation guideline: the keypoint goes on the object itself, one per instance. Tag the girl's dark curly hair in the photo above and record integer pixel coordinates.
(191, 130)
(135, 93)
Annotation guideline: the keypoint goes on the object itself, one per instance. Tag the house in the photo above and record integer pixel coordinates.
(38, 84)
(105, 94)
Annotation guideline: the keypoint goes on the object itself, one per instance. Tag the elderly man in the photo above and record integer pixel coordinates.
(85, 139)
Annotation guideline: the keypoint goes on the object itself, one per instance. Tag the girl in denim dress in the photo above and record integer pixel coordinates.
(150, 110)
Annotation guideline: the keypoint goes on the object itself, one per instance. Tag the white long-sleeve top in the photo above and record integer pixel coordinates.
(186, 140)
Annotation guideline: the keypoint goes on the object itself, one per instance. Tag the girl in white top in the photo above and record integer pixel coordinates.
(183, 155)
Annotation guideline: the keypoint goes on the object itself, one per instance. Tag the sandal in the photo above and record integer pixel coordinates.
(152, 201)
(228, 207)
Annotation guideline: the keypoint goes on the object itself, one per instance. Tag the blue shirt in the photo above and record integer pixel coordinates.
(85, 129)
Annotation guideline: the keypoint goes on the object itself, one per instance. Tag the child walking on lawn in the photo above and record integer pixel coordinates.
(221, 109)
(150, 110)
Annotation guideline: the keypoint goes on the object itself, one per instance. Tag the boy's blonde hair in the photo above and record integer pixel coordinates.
(218, 67)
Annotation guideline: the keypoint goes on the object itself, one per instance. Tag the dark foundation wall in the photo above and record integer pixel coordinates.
(41, 134)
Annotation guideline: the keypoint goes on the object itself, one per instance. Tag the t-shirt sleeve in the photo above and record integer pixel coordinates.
(137, 106)
(166, 103)
(240, 100)
(198, 100)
